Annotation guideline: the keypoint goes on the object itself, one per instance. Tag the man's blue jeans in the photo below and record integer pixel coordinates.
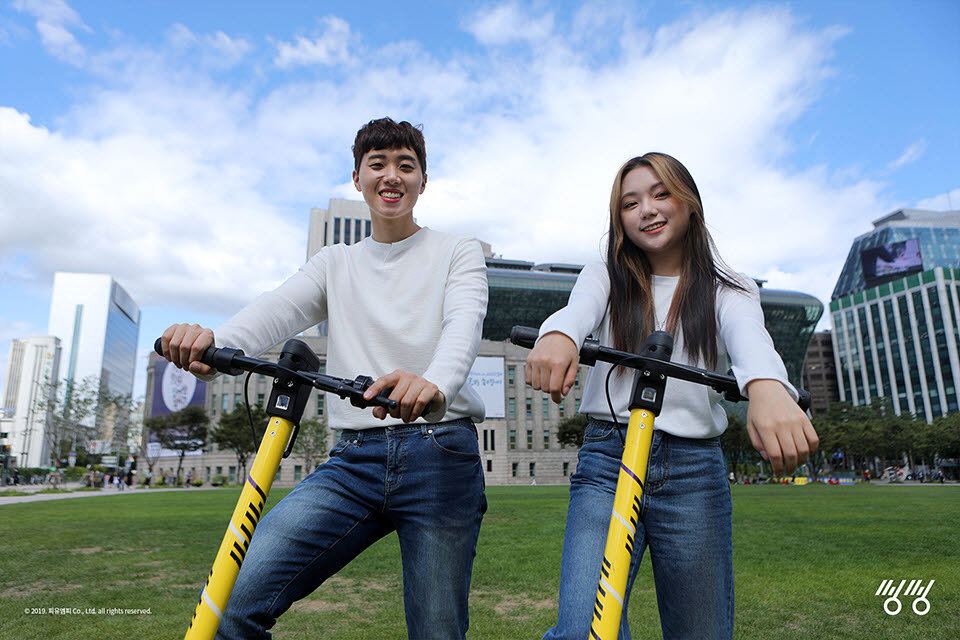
(424, 481)
(685, 521)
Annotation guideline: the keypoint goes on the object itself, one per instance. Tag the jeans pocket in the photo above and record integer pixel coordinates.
(342, 444)
(455, 441)
(597, 431)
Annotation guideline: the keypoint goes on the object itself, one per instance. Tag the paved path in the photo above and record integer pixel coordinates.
(36, 496)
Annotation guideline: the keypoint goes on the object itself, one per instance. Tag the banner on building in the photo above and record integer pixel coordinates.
(173, 390)
(486, 377)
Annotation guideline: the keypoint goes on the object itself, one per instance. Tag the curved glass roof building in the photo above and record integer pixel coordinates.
(522, 293)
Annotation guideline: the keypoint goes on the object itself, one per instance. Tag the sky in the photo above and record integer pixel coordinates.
(179, 146)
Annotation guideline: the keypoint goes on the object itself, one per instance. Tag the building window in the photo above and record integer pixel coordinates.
(207, 475)
(232, 476)
(213, 404)
(493, 442)
(226, 400)
(366, 229)
(512, 404)
(566, 469)
(513, 439)
(489, 465)
(356, 230)
(546, 438)
(237, 399)
(511, 375)
(529, 407)
(277, 477)
(533, 469)
(320, 404)
(336, 230)
(485, 441)
(576, 404)
(297, 472)
(260, 399)
(529, 438)
(546, 407)
(513, 469)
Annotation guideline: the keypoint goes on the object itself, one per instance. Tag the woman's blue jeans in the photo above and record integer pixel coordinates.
(685, 522)
(424, 481)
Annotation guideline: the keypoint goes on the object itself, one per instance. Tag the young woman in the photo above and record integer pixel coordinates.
(662, 273)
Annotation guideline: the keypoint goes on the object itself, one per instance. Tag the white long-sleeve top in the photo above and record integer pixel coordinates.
(689, 410)
(416, 305)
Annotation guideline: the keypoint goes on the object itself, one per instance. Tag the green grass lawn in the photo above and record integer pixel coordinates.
(808, 562)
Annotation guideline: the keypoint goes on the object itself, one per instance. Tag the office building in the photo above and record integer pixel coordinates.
(344, 221)
(895, 313)
(820, 373)
(98, 324)
(33, 368)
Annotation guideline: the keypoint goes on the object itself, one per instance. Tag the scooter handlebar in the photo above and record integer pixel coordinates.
(233, 362)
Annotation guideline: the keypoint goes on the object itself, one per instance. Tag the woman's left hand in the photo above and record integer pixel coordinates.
(778, 428)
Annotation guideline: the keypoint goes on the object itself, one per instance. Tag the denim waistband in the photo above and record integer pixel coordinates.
(656, 432)
(424, 428)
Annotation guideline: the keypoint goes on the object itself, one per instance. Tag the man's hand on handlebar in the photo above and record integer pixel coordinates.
(414, 395)
(552, 365)
(184, 344)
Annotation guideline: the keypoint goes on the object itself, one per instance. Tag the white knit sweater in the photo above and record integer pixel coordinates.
(689, 410)
(416, 305)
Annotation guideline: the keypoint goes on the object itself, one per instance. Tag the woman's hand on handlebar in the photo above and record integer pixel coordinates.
(552, 365)
(413, 394)
(778, 428)
(184, 344)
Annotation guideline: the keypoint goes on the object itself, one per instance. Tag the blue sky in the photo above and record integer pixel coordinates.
(179, 146)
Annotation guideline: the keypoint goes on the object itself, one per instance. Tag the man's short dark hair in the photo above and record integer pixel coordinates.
(387, 134)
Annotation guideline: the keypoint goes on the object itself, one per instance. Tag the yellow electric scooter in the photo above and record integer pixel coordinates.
(653, 368)
(294, 376)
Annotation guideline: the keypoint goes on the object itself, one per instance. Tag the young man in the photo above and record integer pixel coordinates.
(406, 306)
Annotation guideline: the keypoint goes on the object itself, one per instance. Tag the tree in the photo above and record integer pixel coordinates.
(77, 413)
(311, 441)
(69, 408)
(183, 431)
(234, 433)
(570, 431)
(736, 444)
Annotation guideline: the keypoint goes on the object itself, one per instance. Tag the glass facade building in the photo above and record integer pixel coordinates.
(98, 324)
(900, 339)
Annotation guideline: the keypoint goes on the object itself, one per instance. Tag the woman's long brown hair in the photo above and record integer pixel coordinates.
(632, 316)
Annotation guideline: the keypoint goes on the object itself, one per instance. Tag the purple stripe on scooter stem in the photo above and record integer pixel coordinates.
(630, 473)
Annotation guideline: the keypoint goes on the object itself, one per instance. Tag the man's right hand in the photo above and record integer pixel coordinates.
(183, 344)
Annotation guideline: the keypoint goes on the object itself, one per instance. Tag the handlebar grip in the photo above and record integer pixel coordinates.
(220, 359)
(524, 336)
(805, 399)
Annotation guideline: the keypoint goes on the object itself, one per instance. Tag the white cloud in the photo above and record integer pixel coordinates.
(508, 23)
(55, 19)
(911, 154)
(948, 201)
(218, 49)
(330, 47)
(196, 194)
